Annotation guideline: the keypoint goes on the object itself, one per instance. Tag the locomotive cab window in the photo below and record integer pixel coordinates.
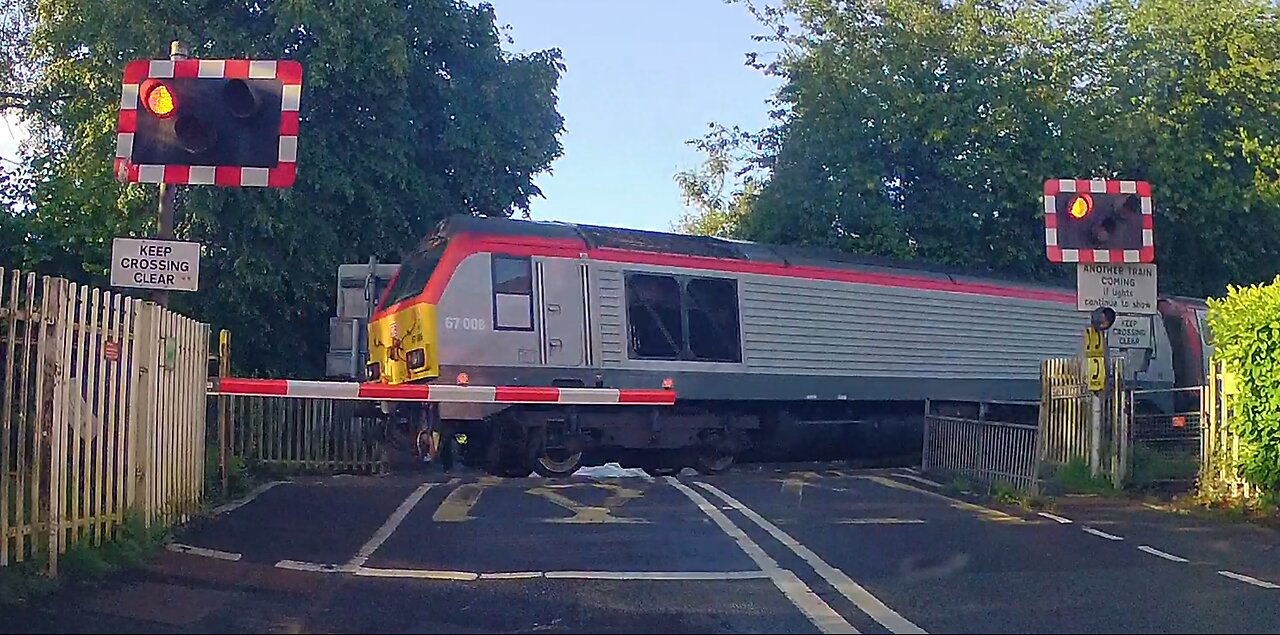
(512, 293)
(413, 275)
(654, 317)
(711, 305)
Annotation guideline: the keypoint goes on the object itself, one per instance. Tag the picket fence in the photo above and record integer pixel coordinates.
(102, 415)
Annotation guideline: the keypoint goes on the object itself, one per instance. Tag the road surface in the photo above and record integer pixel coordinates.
(760, 549)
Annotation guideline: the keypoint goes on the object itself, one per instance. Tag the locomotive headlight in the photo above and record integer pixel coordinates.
(373, 371)
(417, 358)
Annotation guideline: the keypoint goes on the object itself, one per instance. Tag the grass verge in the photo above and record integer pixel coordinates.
(82, 565)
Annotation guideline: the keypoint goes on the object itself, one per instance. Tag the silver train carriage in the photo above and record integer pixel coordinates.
(772, 350)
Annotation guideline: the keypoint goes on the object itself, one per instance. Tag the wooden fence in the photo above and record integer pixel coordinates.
(103, 412)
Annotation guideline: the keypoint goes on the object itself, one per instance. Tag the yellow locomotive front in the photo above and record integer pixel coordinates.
(403, 346)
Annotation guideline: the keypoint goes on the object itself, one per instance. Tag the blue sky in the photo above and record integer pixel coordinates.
(642, 78)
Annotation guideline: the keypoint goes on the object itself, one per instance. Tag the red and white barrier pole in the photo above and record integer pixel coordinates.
(348, 390)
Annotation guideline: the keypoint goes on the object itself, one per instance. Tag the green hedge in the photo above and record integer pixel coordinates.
(1246, 336)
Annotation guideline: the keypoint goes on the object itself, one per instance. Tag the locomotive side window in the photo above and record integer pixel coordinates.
(512, 293)
(712, 312)
(654, 317)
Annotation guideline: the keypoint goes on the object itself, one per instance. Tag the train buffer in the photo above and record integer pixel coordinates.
(437, 393)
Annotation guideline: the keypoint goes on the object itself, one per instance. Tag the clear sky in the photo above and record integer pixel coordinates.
(642, 78)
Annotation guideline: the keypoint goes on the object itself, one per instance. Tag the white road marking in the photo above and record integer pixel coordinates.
(512, 575)
(178, 547)
(248, 498)
(815, 608)
(880, 521)
(314, 567)
(1060, 519)
(656, 575)
(862, 598)
(918, 479)
(1248, 580)
(424, 574)
(393, 521)
(1101, 534)
(1156, 552)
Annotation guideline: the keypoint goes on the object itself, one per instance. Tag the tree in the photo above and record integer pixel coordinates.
(716, 208)
(925, 130)
(410, 112)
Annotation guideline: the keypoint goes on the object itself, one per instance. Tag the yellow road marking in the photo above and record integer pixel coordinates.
(456, 507)
(589, 514)
(985, 512)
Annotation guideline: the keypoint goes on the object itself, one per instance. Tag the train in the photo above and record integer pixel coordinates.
(761, 343)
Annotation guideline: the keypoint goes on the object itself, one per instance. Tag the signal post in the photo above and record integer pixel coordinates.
(1106, 227)
(227, 123)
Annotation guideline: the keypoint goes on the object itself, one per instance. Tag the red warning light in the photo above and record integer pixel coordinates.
(1081, 206)
(157, 98)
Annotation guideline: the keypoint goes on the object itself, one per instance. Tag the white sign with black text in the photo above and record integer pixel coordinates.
(1130, 331)
(1124, 287)
(147, 263)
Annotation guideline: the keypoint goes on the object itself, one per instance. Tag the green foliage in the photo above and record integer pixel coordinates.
(926, 130)
(1073, 477)
(714, 208)
(239, 478)
(1150, 466)
(958, 485)
(410, 112)
(83, 564)
(1246, 336)
(1007, 494)
(24, 581)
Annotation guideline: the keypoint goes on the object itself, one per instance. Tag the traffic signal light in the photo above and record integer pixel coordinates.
(209, 122)
(1098, 221)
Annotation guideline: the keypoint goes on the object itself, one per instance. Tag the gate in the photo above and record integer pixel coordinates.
(1165, 432)
(1067, 432)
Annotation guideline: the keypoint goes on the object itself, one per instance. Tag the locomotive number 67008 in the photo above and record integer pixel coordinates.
(464, 323)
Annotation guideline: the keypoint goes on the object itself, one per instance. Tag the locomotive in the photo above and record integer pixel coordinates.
(758, 342)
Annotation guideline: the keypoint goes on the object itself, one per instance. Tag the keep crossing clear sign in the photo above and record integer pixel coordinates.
(1131, 331)
(146, 263)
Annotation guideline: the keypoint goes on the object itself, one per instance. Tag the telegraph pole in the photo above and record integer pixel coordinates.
(168, 191)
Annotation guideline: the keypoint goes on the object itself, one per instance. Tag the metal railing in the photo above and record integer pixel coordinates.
(1165, 436)
(989, 452)
(305, 435)
(102, 411)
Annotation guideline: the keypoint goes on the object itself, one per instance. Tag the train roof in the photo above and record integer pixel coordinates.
(593, 236)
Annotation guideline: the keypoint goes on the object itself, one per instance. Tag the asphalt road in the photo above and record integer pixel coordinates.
(761, 549)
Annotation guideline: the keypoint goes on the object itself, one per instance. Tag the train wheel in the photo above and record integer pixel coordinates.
(715, 456)
(556, 452)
